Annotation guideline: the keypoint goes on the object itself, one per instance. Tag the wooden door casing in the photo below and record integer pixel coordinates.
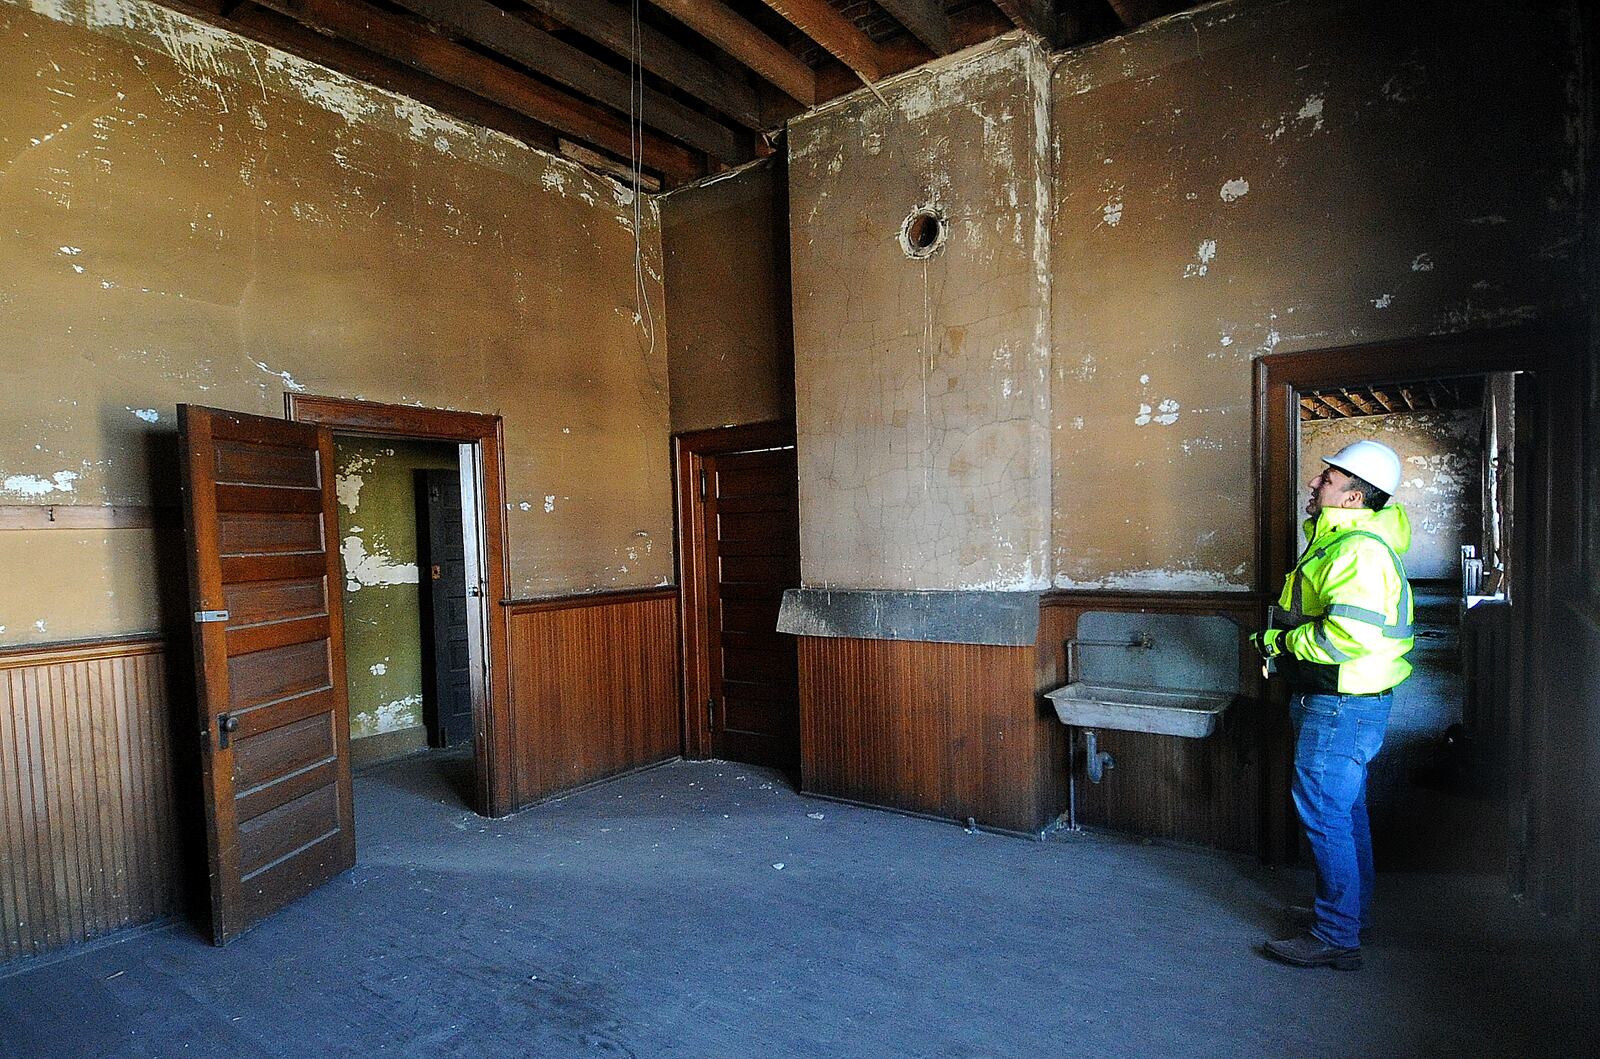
(272, 701)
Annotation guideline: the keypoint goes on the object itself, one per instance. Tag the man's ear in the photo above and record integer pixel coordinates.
(1353, 499)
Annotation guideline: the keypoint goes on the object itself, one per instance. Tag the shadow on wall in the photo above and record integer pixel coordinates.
(162, 450)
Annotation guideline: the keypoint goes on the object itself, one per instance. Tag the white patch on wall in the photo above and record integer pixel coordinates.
(523, 506)
(33, 485)
(1166, 579)
(348, 488)
(1383, 301)
(149, 415)
(1422, 263)
(1111, 212)
(1163, 414)
(1204, 254)
(40, 625)
(1310, 111)
(388, 717)
(549, 504)
(71, 251)
(362, 570)
(1235, 189)
(288, 380)
(378, 669)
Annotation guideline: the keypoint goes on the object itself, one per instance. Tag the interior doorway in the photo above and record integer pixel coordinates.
(466, 447)
(1436, 794)
(1487, 659)
(738, 551)
(402, 542)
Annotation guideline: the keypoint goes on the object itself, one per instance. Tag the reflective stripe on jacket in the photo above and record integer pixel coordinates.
(1347, 603)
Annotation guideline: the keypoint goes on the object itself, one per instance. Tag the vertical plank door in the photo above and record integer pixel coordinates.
(447, 711)
(269, 660)
(753, 540)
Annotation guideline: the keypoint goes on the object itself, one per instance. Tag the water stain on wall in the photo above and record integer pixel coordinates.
(194, 217)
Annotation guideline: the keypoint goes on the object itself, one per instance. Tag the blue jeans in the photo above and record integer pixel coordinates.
(1336, 737)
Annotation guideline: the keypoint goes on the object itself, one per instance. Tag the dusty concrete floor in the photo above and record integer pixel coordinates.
(706, 910)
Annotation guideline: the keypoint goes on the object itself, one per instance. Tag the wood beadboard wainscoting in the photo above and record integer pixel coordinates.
(1219, 791)
(948, 729)
(86, 792)
(594, 687)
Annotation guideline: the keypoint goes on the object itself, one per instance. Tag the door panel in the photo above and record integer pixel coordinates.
(269, 660)
(752, 540)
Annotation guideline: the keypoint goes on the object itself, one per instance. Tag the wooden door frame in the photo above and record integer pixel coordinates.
(689, 449)
(1552, 351)
(495, 736)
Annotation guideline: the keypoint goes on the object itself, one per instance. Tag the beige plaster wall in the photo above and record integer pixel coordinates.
(1259, 177)
(192, 217)
(1441, 454)
(725, 242)
(921, 386)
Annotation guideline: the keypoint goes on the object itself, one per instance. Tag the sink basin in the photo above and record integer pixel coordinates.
(1158, 711)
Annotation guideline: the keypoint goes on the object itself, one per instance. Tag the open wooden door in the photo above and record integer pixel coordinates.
(269, 660)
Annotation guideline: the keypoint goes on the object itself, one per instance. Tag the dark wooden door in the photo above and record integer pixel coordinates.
(752, 537)
(269, 660)
(447, 662)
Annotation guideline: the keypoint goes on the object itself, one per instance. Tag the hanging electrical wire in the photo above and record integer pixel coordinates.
(642, 314)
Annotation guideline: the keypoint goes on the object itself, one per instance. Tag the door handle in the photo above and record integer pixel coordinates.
(227, 724)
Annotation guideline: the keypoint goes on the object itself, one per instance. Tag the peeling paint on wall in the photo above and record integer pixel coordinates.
(922, 384)
(310, 234)
(1292, 176)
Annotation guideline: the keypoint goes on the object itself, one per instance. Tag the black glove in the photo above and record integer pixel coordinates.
(1269, 642)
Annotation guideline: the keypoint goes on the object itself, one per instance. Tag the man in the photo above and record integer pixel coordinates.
(1344, 631)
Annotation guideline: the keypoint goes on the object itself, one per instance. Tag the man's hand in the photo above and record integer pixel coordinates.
(1269, 642)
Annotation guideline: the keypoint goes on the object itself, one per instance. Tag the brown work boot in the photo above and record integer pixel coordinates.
(1308, 950)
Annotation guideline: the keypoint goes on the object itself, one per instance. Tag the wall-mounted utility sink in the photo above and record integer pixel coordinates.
(1159, 711)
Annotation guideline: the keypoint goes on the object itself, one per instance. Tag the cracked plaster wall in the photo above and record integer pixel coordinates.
(725, 241)
(1259, 177)
(193, 217)
(922, 396)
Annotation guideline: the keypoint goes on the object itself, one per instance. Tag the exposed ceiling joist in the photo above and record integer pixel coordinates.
(410, 43)
(818, 20)
(1135, 12)
(611, 27)
(927, 21)
(482, 23)
(1036, 16)
(734, 35)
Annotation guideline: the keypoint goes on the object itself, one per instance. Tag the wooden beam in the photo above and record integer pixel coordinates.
(1406, 396)
(1342, 409)
(1358, 400)
(1385, 400)
(1036, 16)
(818, 20)
(482, 23)
(610, 26)
(926, 21)
(1135, 12)
(270, 28)
(1311, 408)
(407, 42)
(728, 31)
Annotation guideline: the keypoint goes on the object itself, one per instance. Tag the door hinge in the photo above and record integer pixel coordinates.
(210, 615)
(702, 485)
(711, 713)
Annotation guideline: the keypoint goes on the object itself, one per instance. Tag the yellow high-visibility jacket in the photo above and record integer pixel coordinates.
(1347, 604)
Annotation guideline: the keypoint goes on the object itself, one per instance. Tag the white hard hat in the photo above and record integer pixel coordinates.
(1369, 460)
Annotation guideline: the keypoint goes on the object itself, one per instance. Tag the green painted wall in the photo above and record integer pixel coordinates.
(382, 602)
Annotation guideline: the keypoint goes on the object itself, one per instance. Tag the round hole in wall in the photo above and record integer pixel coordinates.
(923, 232)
